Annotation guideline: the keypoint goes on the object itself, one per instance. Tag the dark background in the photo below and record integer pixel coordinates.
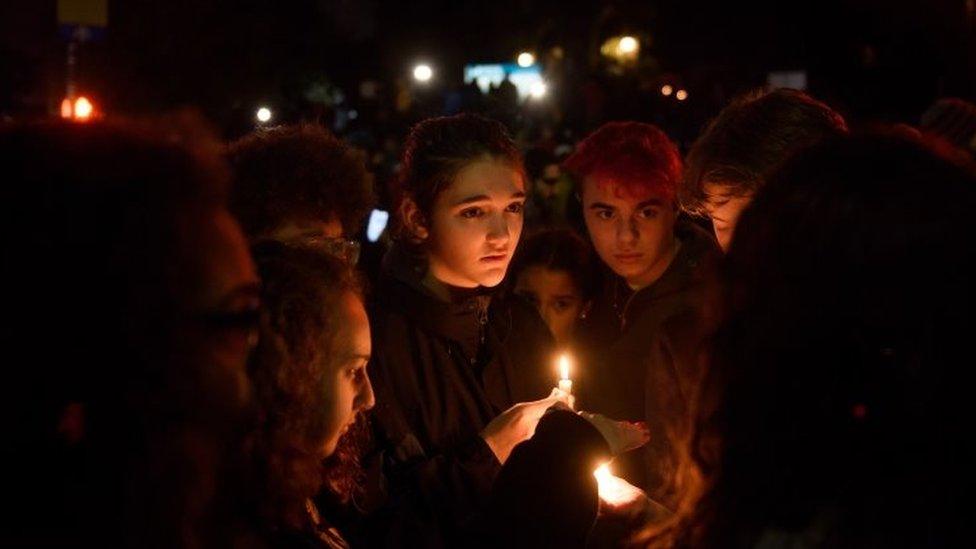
(871, 59)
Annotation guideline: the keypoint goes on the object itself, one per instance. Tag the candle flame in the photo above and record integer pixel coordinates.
(614, 490)
(563, 367)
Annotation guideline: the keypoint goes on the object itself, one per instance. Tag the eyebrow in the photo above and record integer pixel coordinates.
(484, 198)
(651, 202)
(601, 206)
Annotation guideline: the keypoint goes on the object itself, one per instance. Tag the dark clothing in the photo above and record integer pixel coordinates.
(617, 336)
(442, 370)
(674, 374)
(546, 495)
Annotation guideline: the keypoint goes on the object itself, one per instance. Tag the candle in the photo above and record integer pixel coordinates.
(613, 490)
(565, 384)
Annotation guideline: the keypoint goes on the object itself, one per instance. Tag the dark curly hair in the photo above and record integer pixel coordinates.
(438, 148)
(832, 409)
(753, 135)
(302, 292)
(639, 156)
(297, 173)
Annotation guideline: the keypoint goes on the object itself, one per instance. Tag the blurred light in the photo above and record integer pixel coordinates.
(538, 90)
(353, 114)
(83, 109)
(628, 45)
(666, 90)
(423, 73)
(263, 115)
(376, 225)
(614, 490)
(681, 95)
(526, 59)
(66, 108)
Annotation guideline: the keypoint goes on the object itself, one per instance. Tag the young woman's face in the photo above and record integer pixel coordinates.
(475, 225)
(555, 295)
(348, 390)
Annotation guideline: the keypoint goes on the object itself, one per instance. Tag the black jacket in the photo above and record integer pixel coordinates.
(617, 337)
(441, 372)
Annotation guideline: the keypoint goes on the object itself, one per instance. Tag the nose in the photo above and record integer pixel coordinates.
(498, 230)
(366, 399)
(627, 232)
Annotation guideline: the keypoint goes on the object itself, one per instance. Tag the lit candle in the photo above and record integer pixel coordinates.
(565, 384)
(613, 490)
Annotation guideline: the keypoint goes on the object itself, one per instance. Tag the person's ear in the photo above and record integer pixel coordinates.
(414, 220)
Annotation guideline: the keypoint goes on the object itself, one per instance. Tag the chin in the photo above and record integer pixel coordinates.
(491, 279)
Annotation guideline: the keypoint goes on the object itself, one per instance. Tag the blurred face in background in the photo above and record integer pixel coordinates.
(557, 297)
(724, 209)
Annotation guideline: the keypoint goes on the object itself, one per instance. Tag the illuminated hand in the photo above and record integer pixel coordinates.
(518, 424)
(622, 436)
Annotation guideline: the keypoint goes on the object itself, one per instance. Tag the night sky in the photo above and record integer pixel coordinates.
(874, 59)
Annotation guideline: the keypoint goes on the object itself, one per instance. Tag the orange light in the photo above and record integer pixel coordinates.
(83, 109)
(614, 490)
(66, 108)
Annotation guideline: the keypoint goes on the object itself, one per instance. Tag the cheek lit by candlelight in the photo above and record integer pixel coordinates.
(614, 490)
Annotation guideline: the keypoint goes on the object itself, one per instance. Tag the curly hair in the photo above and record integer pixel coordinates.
(753, 135)
(298, 173)
(438, 148)
(638, 156)
(302, 292)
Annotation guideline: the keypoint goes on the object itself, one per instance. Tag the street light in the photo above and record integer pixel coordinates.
(628, 45)
(681, 95)
(666, 90)
(538, 90)
(263, 115)
(526, 59)
(423, 73)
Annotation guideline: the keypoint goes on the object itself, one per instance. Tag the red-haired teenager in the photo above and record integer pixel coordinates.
(655, 263)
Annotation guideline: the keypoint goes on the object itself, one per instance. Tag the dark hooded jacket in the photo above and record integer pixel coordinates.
(621, 340)
(442, 370)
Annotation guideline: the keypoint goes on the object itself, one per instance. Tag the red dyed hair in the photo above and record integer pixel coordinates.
(639, 157)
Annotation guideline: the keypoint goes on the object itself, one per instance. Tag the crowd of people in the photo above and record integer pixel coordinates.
(767, 335)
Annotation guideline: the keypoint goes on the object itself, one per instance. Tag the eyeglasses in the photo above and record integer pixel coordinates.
(342, 248)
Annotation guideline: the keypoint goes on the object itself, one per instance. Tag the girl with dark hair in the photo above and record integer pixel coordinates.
(831, 413)
(554, 271)
(311, 387)
(451, 357)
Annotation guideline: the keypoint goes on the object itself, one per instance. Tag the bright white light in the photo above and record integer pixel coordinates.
(666, 90)
(628, 44)
(423, 73)
(526, 59)
(377, 224)
(614, 490)
(83, 108)
(681, 95)
(263, 114)
(538, 90)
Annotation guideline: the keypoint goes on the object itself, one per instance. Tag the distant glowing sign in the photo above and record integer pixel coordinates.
(526, 79)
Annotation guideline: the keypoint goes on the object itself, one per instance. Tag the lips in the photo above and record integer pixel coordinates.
(493, 258)
(628, 258)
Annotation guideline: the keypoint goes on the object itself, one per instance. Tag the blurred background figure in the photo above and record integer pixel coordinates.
(830, 414)
(554, 271)
(136, 305)
(743, 145)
